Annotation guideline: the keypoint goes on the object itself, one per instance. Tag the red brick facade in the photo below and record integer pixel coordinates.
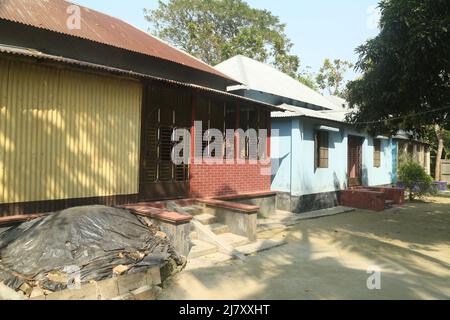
(372, 198)
(363, 199)
(394, 194)
(208, 180)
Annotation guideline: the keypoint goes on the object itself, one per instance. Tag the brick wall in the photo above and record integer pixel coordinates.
(363, 199)
(395, 194)
(224, 179)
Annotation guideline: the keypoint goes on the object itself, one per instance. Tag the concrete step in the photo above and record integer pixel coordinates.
(204, 209)
(281, 213)
(206, 218)
(389, 203)
(193, 235)
(194, 210)
(201, 248)
(275, 222)
(219, 228)
(232, 239)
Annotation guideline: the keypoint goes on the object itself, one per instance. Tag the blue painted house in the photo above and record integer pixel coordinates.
(315, 154)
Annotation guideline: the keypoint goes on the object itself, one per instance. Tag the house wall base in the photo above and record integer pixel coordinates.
(29, 208)
(305, 203)
(240, 223)
(364, 199)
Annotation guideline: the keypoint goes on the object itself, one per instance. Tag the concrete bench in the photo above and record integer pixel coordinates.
(239, 217)
(240, 207)
(265, 200)
(149, 210)
(174, 224)
(10, 220)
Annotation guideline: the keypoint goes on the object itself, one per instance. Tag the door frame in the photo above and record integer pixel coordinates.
(160, 189)
(359, 142)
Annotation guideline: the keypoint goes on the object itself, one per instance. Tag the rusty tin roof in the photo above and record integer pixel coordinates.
(95, 26)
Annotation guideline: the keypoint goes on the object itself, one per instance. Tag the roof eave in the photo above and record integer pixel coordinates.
(34, 54)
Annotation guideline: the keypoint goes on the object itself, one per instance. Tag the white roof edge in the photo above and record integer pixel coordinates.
(265, 78)
(293, 111)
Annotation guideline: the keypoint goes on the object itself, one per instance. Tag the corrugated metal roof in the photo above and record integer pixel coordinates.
(261, 77)
(409, 136)
(339, 102)
(43, 56)
(95, 26)
(293, 111)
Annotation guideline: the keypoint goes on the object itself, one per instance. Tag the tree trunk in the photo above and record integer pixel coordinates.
(440, 150)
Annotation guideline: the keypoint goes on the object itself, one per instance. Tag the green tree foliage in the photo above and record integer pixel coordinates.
(414, 178)
(447, 144)
(331, 76)
(405, 82)
(216, 30)
(306, 77)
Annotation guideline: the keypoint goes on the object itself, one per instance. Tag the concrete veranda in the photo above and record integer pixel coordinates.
(328, 258)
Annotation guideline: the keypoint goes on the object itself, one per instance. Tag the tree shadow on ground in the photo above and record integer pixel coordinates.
(328, 258)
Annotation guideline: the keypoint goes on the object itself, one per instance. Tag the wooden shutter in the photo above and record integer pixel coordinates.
(322, 149)
(252, 142)
(244, 125)
(202, 114)
(377, 153)
(217, 121)
(316, 152)
(230, 124)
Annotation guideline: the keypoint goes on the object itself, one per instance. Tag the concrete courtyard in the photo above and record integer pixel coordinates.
(328, 258)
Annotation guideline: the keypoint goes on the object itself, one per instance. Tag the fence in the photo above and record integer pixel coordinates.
(446, 170)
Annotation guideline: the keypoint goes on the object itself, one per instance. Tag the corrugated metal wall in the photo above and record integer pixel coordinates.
(66, 134)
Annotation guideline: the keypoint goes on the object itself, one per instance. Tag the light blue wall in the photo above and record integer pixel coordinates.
(307, 179)
(383, 174)
(280, 146)
(297, 174)
(394, 162)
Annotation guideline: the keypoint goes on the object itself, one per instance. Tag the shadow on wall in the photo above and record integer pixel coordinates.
(224, 190)
(365, 176)
(276, 164)
(334, 137)
(337, 184)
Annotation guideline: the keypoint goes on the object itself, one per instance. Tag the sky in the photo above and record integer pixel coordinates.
(319, 29)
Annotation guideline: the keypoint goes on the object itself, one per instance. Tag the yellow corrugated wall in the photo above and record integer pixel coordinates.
(66, 134)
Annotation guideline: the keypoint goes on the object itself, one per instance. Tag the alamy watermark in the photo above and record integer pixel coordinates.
(73, 277)
(374, 280)
(73, 21)
(214, 147)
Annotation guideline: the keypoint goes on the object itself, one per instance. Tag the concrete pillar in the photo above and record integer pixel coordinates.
(178, 232)
(427, 160)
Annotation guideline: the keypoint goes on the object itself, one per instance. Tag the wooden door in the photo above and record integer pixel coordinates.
(354, 161)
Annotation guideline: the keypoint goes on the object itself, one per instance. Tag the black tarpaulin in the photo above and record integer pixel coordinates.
(92, 240)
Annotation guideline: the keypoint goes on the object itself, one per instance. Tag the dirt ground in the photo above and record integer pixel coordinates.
(328, 258)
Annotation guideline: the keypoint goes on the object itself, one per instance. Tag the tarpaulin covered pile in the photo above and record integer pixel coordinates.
(90, 240)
